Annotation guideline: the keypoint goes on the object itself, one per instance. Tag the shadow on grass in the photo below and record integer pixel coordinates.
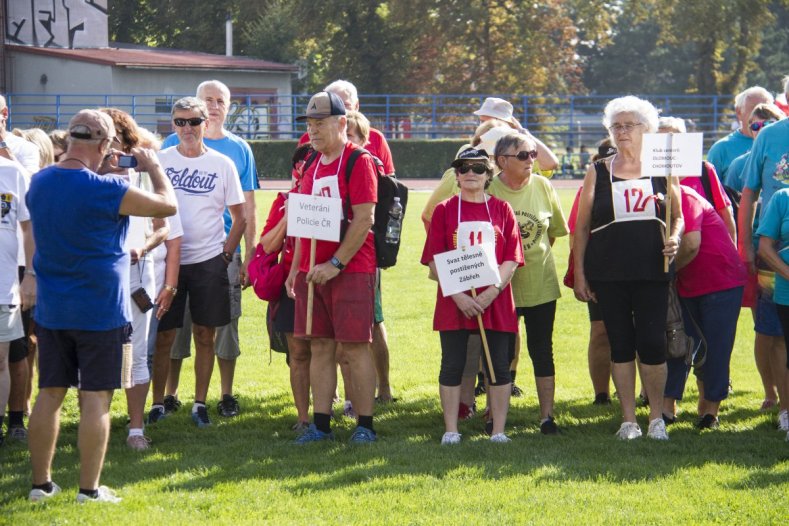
(258, 445)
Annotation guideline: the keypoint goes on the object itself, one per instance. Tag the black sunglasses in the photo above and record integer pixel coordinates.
(196, 121)
(756, 126)
(478, 169)
(524, 155)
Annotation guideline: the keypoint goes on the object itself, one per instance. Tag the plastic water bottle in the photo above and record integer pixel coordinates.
(395, 222)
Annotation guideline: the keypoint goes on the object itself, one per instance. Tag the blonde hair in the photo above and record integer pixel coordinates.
(357, 120)
(37, 136)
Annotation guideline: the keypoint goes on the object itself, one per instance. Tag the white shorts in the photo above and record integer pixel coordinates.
(11, 327)
(141, 321)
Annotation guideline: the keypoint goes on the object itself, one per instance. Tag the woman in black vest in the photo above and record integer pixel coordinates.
(619, 253)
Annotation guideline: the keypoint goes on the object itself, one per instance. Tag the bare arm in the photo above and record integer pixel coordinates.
(172, 265)
(677, 222)
(545, 156)
(581, 236)
(770, 256)
(745, 225)
(27, 288)
(688, 249)
(728, 219)
(274, 238)
(506, 271)
(250, 234)
(237, 229)
(160, 233)
(363, 216)
(161, 201)
(294, 269)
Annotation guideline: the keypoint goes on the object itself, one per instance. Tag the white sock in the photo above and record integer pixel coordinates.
(195, 406)
(135, 432)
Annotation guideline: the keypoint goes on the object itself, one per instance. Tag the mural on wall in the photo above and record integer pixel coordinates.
(57, 23)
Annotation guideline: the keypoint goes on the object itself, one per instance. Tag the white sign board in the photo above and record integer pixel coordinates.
(677, 154)
(460, 270)
(314, 216)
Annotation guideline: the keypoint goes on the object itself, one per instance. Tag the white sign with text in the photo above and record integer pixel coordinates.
(314, 217)
(460, 270)
(677, 154)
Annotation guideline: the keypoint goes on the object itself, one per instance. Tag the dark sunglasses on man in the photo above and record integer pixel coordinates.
(196, 121)
(523, 156)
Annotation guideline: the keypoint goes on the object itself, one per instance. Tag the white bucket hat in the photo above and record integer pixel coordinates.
(496, 108)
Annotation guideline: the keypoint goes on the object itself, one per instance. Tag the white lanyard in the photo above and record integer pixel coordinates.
(633, 199)
(472, 233)
(327, 186)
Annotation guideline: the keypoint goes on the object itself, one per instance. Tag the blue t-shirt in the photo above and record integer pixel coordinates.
(775, 224)
(81, 266)
(723, 152)
(735, 175)
(240, 153)
(767, 167)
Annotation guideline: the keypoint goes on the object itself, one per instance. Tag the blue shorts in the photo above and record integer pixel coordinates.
(766, 319)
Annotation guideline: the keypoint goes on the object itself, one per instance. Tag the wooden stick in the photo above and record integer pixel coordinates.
(310, 289)
(668, 220)
(484, 341)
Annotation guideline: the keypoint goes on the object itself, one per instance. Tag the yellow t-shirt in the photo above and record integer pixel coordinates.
(540, 218)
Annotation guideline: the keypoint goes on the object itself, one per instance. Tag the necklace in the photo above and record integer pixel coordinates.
(78, 160)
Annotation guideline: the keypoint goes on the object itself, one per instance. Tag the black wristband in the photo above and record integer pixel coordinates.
(336, 263)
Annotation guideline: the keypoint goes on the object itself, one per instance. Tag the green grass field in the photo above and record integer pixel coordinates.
(245, 470)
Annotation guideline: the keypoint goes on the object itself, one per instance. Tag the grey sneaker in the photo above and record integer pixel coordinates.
(500, 438)
(39, 495)
(17, 433)
(228, 407)
(450, 439)
(105, 495)
(657, 430)
(628, 431)
(138, 442)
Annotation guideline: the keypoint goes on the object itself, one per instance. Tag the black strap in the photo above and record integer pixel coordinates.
(706, 183)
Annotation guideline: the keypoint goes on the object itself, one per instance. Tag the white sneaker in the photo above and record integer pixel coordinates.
(657, 430)
(450, 438)
(39, 495)
(628, 431)
(105, 495)
(783, 420)
(500, 438)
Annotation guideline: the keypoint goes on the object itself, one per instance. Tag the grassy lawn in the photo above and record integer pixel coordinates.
(245, 470)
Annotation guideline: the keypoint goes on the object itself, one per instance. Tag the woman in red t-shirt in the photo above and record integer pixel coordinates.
(469, 218)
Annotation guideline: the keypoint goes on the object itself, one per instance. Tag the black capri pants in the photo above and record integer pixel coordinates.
(539, 336)
(634, 313)
(453, 356)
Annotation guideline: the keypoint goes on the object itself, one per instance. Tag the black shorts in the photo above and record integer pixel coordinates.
(207, 289)
(285, 314)
(595, 314)
(18, 349)
(88, 360)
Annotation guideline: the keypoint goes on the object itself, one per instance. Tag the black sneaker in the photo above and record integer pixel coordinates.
(200, 417)
(228, 406)
(489, 428)
(171, 404)
(549, 427)
(156, 413)
(707, 421)
(516, 391)
(669, 419)
(602, 399)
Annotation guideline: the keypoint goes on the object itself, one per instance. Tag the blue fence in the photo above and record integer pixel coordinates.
(558, 120)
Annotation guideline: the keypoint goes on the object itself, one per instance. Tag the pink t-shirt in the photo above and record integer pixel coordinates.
(717, 265)
(719, 198)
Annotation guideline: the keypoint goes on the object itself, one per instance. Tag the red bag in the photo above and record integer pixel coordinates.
(267, 274)
(569, 277)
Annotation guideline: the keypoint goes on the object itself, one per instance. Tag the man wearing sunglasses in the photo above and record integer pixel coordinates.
(205, 182)
(216, 96)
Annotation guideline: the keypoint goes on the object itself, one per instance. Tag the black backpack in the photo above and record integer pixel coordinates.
(388, 188)
(733, 195)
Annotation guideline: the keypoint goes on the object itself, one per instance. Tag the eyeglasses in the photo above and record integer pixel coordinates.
(524, 155)
(627, 127)
(196, 121)
(756, 126)
(478, 169)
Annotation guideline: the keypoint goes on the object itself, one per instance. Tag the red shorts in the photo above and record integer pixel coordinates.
(342, 309)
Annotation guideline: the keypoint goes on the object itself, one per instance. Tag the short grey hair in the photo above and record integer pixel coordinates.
(221, 86)
(785, 81)
(509, 141)
(646, 112)
(672, 123)
(752, 92)
(190, 104)
(344, 89)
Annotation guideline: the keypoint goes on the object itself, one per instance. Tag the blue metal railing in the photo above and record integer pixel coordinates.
(557, 119)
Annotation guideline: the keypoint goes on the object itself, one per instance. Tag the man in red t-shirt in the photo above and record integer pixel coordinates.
(343, 277)
(376, 145)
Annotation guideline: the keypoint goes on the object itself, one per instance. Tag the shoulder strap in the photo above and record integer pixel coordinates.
(355, 154)
(705, 182)
(308, 162)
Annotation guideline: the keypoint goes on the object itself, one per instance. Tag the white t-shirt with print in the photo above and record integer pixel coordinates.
(203, 185)
(13, 210)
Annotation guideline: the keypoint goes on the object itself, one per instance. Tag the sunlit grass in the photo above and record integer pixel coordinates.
(246, 470)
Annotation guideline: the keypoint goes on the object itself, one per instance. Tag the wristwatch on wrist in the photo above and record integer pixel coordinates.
(3, 145)
(172, 289)
(499, 286)
(227, 256)
(336, 263)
